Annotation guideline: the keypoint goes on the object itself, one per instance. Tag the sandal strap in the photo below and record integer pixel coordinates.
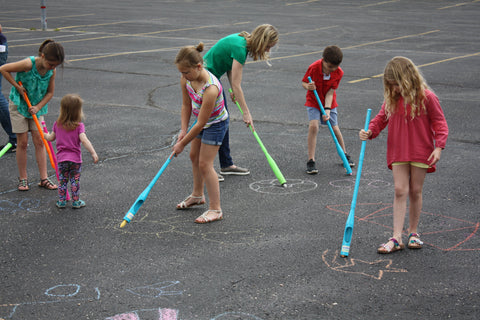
(417, 241)
(46, 181)
(204, 215)
(22, 182)
(183, 204)
(47, 184)
(395, 241)
(388, 247)
(192, 197)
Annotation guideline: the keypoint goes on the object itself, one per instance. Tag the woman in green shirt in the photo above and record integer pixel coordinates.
(228, 56)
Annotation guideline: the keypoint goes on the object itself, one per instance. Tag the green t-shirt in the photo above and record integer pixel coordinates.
(219, 59)
(36, 86)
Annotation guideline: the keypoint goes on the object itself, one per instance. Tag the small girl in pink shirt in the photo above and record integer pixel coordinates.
(69, 132)
(417, 134)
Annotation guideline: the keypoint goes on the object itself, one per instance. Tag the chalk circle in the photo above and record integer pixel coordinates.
(350, 183)
(379, 183)
(146, 227)
(63, 288)
(291, 186)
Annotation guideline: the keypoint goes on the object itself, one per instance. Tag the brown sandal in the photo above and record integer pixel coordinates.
(47, 184)
(414, 243)
(23, 185)
(386, 248)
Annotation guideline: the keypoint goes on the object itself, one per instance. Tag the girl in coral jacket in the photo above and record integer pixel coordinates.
(417, 134)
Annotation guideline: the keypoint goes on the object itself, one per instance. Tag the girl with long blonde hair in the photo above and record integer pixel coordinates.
(417, 134)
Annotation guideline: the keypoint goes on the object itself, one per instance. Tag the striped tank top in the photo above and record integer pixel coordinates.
(219, 112)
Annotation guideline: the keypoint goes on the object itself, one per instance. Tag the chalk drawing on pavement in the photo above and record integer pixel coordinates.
(372, 269)
(172, 314)
(350, 183)
(144, 314)
(13, 206)
(156, 290)
(164, 225)
(437, 230)
(63, 293)
(291, 186)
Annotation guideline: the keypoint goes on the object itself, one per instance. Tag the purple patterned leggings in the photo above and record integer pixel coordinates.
(69, 171)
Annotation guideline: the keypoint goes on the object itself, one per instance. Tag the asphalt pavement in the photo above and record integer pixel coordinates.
(276, 253)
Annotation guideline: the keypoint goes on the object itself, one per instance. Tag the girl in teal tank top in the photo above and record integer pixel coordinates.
(37, 75)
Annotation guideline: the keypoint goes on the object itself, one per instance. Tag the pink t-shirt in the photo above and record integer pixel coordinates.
(412, 140)
(68, 143)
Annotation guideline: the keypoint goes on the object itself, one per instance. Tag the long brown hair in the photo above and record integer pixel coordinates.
(412, 85)
(257, 42)
(71, 113)
(52, 50)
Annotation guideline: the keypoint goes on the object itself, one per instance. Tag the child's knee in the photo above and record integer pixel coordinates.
(22, 144)
(401, 191)
(415, 192)
(194, 157)
(313, 126)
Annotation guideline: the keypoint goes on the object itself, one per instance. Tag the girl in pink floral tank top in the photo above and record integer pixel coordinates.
(202, 96)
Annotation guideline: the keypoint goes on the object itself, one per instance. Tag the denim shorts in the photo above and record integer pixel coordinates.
(315, 114)
(214, 134)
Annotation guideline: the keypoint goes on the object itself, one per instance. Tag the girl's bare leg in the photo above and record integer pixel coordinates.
(21, 154)
(40, 154)
(207, 156)
(197, 176)
(401, 178)
(417, 178)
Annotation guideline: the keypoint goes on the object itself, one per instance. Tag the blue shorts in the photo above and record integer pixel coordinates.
(315, 114)
(214, 134)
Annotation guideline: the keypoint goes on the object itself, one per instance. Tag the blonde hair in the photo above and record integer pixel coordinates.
(190, 56)
(262, 36)
(412, 85)
(71, 113)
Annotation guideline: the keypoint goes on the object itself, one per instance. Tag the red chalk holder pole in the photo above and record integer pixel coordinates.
(43, 9)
